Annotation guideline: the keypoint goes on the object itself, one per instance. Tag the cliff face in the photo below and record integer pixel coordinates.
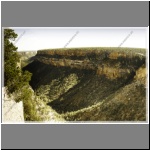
(11, 111)
(112, 64)
(73, 80)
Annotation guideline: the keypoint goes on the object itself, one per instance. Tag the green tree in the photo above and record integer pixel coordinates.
(14, 78)
(11, 58)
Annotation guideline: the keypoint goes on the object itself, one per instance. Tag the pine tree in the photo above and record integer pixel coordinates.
(11, 58)
(14, 78)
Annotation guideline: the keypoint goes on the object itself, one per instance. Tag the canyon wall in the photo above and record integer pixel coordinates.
(112, 64)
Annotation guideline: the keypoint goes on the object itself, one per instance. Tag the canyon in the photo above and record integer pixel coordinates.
(91, 84)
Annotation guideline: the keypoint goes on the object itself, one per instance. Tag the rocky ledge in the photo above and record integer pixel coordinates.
(111, 62)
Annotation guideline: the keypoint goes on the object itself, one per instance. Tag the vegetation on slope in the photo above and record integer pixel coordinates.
(126, 104)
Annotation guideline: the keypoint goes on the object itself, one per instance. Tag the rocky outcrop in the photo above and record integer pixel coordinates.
(109, 62)
(11, 111)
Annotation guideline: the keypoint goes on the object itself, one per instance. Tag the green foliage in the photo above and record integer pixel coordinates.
(14, 78)
(11, 58)
(10, 34)
(26, 95)
(29, 106)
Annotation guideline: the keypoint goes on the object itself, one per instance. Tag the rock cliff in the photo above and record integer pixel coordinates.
(113, 63)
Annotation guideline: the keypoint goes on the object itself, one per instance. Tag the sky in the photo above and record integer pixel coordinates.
(49, 38)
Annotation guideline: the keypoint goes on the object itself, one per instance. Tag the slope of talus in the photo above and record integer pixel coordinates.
(128, 103)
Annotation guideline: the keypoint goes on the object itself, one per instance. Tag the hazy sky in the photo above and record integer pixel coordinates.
(44, 38)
